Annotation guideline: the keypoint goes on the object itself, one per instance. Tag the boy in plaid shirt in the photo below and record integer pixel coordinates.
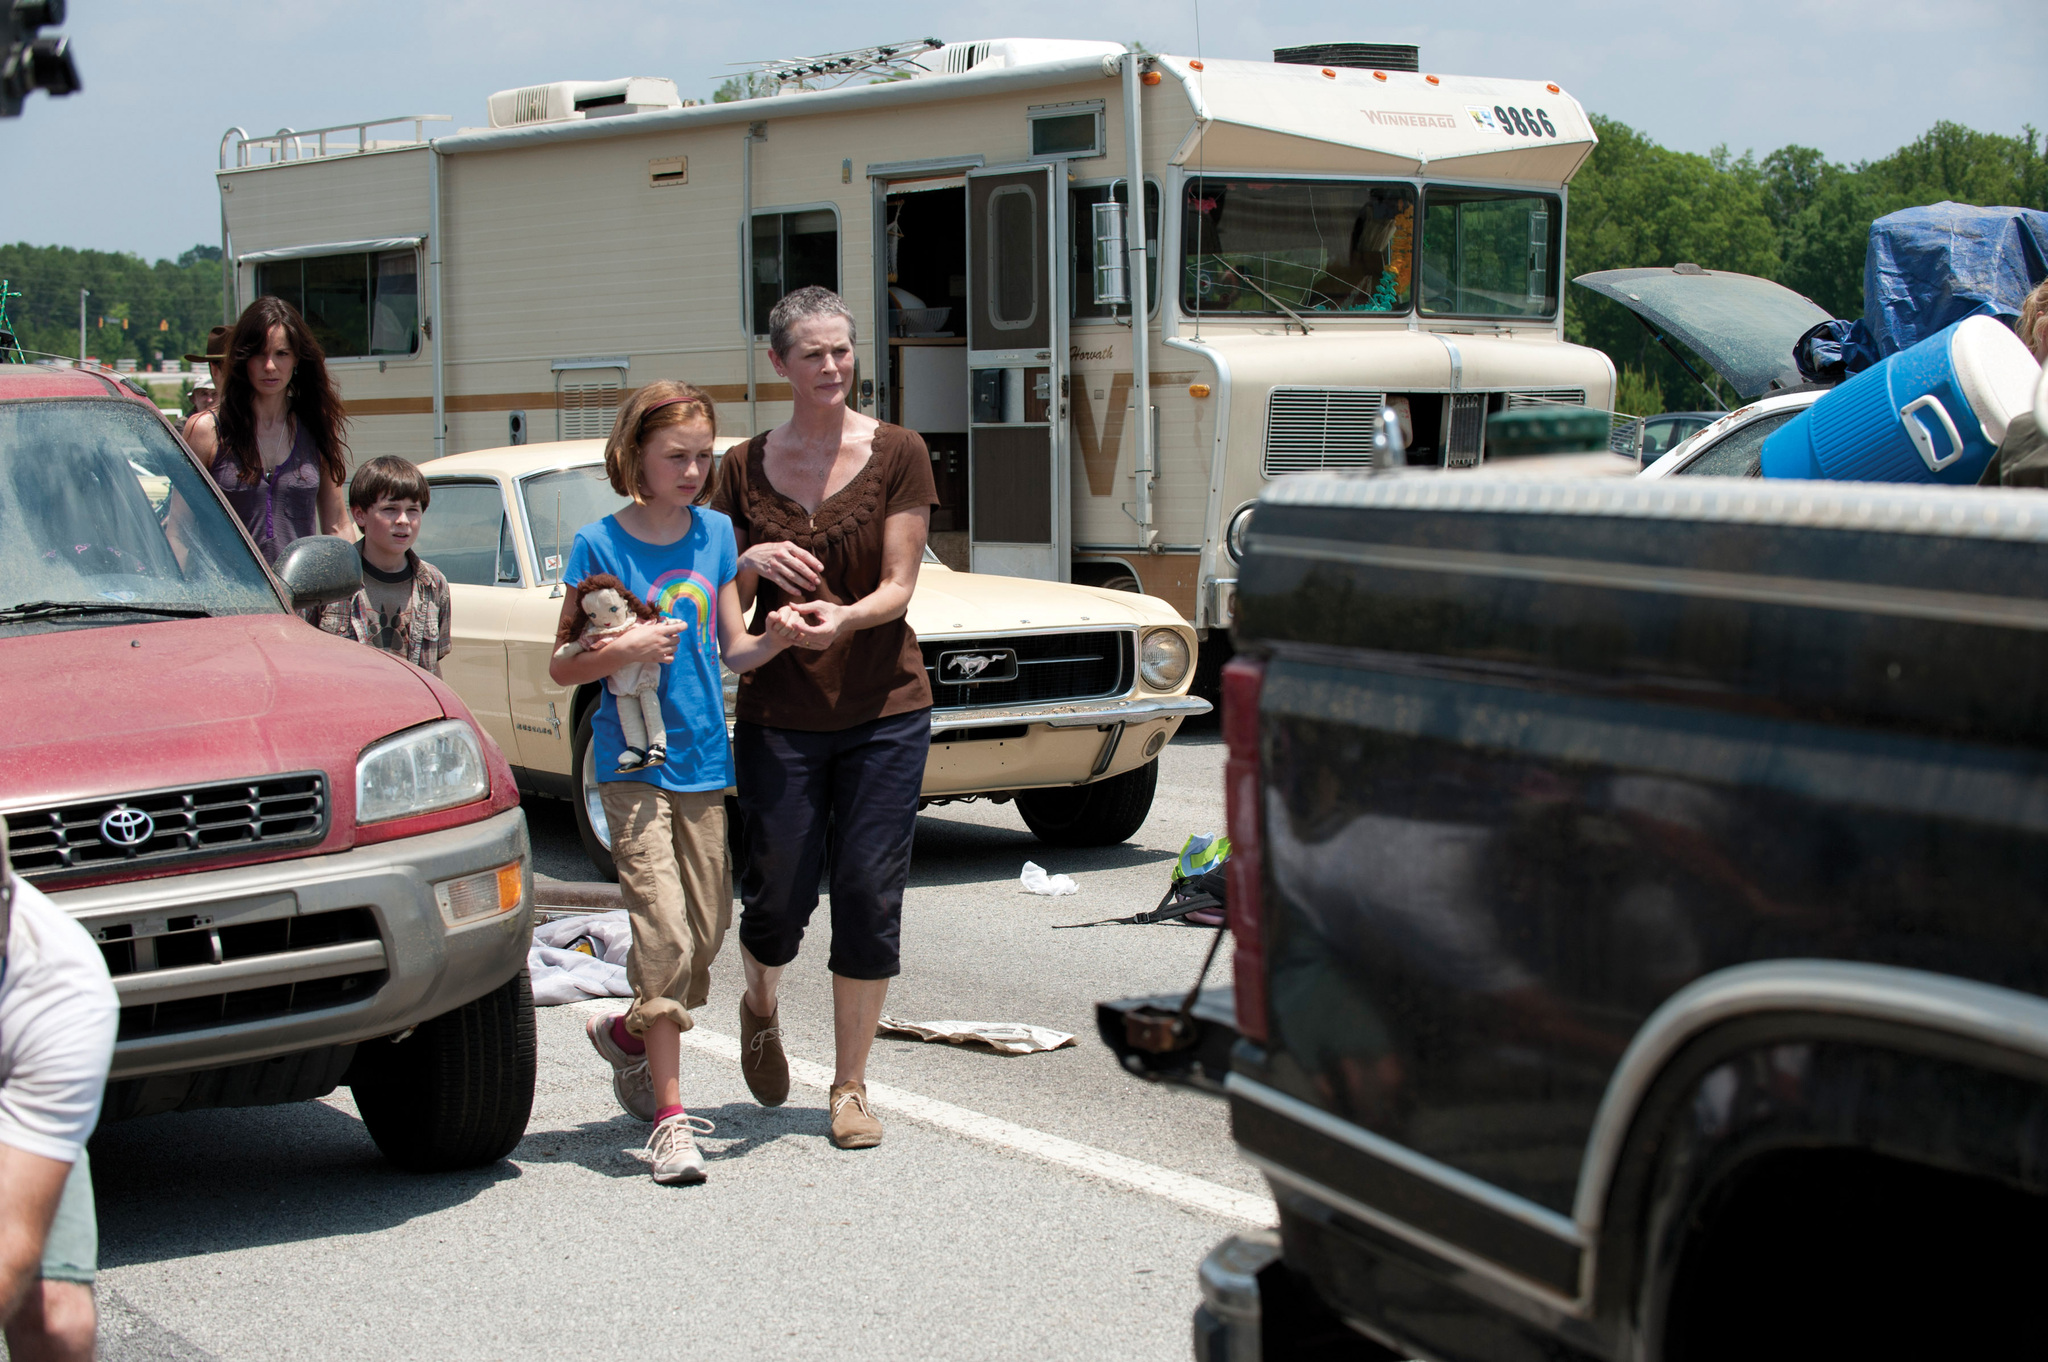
(403, 604)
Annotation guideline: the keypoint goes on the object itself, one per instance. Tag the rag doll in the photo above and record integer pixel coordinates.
(603, 610)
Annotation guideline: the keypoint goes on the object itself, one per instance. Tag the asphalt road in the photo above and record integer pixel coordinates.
(974, 1231)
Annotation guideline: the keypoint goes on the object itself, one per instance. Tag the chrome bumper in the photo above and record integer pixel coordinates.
(1072, 714)
(428, 968)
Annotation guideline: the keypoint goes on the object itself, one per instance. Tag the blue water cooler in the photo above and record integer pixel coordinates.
(1930, 413)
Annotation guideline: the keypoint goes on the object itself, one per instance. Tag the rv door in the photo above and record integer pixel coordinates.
(1017, 365)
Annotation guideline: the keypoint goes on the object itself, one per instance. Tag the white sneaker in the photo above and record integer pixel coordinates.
(632, 1084)
(672, 1155)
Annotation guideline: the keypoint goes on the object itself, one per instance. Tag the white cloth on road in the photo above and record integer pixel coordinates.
(58, 1013)
(1010, 1038)
(1036, 881)
(561, 975)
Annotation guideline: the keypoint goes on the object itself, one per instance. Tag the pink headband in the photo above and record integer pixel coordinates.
(665, 402)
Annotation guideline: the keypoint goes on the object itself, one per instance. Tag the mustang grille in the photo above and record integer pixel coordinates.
(1311, 428)
(1050, 667)
(168, 826)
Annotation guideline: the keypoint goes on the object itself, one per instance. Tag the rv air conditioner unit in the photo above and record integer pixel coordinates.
(566, 101)
(956, 58)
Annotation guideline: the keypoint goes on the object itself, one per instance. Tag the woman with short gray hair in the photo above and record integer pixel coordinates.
(830, 510)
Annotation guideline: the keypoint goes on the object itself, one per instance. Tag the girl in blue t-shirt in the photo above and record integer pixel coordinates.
(667, 820)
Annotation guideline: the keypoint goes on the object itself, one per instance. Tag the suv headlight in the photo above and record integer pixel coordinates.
(1163, 658)
(434, 766)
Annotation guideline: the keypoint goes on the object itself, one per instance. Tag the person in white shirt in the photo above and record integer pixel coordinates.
(58, 1015)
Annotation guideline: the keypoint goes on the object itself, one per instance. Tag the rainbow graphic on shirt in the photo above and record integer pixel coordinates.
(687, 596)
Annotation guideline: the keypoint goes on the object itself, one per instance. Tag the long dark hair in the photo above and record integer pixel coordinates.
(310, 395)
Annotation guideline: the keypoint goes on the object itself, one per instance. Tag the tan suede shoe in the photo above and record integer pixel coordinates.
(762, 1061)
(853, 1125)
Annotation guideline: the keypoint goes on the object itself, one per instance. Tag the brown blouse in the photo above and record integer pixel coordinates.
(867, 674)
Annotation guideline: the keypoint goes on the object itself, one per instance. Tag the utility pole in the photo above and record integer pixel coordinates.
(83, 294)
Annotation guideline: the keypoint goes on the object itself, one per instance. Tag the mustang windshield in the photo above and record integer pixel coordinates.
(1310, 246)
(558, 505)
(104, 519)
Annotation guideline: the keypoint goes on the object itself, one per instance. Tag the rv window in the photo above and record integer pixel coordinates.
(1269, 246)
(1083, 272)
(358, 305)
(1013, 239)
(1489, 253)
(792, 251)
(1066, 135)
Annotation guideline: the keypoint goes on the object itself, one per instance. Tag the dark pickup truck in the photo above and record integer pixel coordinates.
(1640, 903)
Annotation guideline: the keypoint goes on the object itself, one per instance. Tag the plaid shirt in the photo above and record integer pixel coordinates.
(423, 627)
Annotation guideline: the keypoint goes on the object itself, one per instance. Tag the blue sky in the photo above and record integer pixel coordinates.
(126, 164)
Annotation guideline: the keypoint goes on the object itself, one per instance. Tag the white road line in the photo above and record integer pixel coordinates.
(1198, 1193)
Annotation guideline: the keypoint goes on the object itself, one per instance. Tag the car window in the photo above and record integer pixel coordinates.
(559, 504)
(1738, 454)
(464, 532)
(99, 505)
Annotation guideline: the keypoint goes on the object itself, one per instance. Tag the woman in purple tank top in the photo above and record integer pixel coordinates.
(274, 442)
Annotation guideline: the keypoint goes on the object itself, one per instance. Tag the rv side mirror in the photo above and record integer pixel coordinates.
(1112, 285)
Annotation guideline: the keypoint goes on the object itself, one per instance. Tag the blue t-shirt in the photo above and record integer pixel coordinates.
(682, 581)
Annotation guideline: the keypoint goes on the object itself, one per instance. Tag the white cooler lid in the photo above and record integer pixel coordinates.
(1995, 371)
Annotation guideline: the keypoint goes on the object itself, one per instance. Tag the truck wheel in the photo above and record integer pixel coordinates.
(1097, 815)
(590, 825)
(457, 1092)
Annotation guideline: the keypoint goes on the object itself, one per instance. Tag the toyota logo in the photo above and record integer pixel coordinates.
(126, 827)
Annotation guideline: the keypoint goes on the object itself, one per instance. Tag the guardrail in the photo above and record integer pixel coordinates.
(289, 144)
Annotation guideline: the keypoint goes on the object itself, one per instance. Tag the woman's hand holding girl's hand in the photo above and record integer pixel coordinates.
(648, 641)
(810, 624)
(784, 564)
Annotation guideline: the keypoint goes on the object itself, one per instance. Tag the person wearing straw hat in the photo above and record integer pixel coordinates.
(204, 395)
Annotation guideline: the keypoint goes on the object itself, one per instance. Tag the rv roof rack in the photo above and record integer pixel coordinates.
(883, 61)
(289, 143)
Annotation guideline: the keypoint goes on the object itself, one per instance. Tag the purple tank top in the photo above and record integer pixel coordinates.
(281, 505)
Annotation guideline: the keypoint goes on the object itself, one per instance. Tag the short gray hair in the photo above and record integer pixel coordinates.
(814, 300)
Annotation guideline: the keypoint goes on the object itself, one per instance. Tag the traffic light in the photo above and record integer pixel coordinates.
(29, 62)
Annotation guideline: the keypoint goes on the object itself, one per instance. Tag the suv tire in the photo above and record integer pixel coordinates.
(1097, 815)
(458, 1091)
(583, 771)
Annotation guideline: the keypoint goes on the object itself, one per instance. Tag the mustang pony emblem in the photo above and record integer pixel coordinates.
(975, 668)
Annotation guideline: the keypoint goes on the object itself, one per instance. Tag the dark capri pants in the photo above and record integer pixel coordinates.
(844, 800)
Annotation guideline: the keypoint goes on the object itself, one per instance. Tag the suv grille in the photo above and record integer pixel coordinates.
(168, 826)
(195, 941)
(1050, 667)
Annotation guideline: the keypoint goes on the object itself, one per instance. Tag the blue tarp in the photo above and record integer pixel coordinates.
(1928, 268)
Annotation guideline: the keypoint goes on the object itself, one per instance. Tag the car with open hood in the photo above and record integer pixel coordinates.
(1745, 328)
(302, 858)
(1054, 696)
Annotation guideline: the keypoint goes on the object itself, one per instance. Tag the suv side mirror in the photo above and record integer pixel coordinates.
(320, 568)
(1111, 264)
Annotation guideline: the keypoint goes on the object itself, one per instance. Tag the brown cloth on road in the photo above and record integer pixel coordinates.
(868, 674)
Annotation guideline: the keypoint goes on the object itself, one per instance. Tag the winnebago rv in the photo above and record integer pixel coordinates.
(1313, 245)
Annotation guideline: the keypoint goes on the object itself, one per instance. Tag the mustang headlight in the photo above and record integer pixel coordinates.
(1163, 658)
(434, 766)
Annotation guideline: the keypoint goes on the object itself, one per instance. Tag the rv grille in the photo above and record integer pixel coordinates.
(1468, 430)
(1311, 428)
(586, 410)
(965, 57)
(1547, 397)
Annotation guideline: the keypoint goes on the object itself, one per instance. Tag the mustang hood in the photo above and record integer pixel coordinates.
(973, 603)
(118, 709)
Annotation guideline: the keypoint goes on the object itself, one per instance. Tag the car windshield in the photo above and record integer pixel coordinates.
(1310, 246)
(104, 518)
(1489, 253)
(1739, 454)
(561, 503)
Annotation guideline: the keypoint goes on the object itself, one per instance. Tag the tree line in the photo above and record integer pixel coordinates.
(1793, 216)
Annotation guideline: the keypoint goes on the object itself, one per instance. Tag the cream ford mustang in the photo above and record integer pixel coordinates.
(1059, 697)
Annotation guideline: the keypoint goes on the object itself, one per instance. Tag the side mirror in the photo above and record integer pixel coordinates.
(320, 568)
(1112, 284)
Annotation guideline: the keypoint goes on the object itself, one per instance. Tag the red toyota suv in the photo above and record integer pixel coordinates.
(304, 861)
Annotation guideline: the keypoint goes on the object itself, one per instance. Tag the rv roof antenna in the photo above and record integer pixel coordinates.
(886, 61)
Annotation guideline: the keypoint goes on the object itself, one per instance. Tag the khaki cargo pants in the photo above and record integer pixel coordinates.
(670, 849)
